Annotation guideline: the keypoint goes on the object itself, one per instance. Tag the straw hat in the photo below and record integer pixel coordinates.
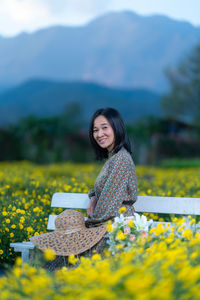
(71, 236)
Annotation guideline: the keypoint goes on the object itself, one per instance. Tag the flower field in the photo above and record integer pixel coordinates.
(25, 196)
(26, 190)
(156, 268)
(159, 266)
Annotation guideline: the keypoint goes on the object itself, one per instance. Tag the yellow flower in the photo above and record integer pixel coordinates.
(151, 231)
(72, 259)
(11, 234)
(187, 234)
(131, 223)
(36, 209)
(30, 229)
(197, 235)
(17, 272)
(119, 246)
(174, 220)
(8, 221)
(181, 228)
(192, 221)
(96, 257)
(18, 261)
(13, 226)
(194, 255)
(4, 213)
(1, 252)
(120, 236)
(22, 219)
(49, 254)
(180, 221)
(109, 226)
(159, 229)
(122, 209)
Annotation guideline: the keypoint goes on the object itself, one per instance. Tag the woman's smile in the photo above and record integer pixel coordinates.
(102, 140)
(103, 133)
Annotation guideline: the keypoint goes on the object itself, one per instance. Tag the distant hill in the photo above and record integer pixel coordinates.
(48, 98)
(119, 49)
(3, 88)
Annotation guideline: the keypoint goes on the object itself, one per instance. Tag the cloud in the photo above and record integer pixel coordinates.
(30, 15)
(17, 15)
(76, 12)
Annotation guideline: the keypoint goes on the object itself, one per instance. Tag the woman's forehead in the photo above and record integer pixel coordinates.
(100, 120)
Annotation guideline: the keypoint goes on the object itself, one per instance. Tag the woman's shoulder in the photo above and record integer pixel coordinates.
(121, 156)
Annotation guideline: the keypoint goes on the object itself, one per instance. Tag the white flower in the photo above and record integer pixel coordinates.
(141, 222)
(121, 223)
(119, 220)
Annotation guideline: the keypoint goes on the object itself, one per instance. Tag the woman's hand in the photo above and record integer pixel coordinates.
(91, 206)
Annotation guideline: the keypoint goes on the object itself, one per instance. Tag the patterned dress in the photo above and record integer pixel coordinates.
(115, 186)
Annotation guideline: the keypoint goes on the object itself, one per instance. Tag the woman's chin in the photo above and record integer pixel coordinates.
(103, 146)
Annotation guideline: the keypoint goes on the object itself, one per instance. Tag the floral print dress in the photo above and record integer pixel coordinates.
(115, 186)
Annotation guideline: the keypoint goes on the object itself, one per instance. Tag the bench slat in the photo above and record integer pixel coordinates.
(21, 246)
(70, 200)
(153, 204)
(51, 222)
(168, 205)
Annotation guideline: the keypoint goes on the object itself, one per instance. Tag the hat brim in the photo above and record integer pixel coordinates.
(72, 243)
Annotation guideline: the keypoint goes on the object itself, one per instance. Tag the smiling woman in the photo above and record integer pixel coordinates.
(116, 185)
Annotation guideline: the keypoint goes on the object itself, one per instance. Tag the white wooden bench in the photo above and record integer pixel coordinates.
(148, 204)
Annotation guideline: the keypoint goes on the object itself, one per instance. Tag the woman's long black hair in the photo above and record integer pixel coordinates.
(120, 134)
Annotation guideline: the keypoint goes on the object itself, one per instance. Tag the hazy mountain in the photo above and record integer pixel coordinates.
(118, 49)
(47, 98)
(4, 88)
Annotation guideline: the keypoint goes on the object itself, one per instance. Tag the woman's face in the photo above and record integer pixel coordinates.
(103, 133)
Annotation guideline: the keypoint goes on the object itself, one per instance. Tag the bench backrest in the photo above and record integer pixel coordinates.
(148, 204)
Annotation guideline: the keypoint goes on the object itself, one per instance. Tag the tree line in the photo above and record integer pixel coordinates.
(47, 140)
(65, 137)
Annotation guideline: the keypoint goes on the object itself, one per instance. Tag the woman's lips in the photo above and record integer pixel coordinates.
(102, 141)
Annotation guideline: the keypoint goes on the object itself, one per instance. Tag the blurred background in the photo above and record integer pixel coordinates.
(62, 60)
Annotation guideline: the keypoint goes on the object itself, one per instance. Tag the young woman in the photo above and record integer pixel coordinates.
(116, 185)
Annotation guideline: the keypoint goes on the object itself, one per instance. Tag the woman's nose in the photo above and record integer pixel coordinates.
(100, 133)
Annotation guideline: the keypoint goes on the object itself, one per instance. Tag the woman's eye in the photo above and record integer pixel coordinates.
(104, 127)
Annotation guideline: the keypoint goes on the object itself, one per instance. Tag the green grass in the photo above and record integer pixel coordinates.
(181, 163)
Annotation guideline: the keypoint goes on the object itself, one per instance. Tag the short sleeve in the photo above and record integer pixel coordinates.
(114, 191)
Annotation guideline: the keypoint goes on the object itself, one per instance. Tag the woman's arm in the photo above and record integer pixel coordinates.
(91, 205)
(114, 192)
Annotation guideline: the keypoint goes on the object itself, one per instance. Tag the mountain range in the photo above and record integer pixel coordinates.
(49, 98)
(120, 49)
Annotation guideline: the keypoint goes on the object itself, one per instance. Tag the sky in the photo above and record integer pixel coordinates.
(18, 16)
